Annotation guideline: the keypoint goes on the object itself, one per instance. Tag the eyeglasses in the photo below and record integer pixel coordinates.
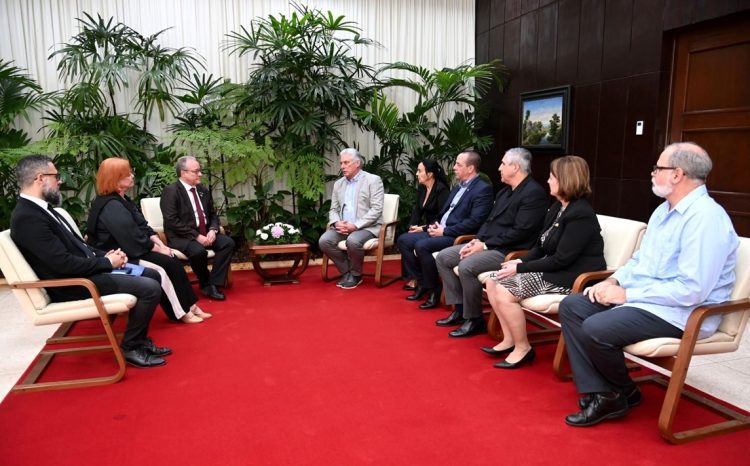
(56, 175)
(657, 168)
(195, 172)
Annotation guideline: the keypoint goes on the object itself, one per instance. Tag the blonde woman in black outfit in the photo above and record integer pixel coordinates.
(570, 244)
(432, 195)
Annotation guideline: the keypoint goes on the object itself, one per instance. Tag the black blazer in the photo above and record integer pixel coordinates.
(116, 222)
(179, 218)
(427, 214)
(470, 211)
(516, 219)
(51, 251)
(573, 246)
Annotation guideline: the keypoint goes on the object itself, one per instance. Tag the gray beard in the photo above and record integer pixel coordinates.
(52, 197)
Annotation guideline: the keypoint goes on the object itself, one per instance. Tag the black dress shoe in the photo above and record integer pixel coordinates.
(140, 357)
(634, 398)
(352, 282)
(151, 348)
(601, 407)
(526, 359)
(418, 294)
(212, 292)
(344, 278)
(433, 300)
(455, 318)
(470, 327)
(493, 352)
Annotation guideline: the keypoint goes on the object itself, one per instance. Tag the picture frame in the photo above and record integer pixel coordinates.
(545, 120)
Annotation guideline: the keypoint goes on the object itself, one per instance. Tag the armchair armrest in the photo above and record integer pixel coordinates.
(60, 282)
(588, 277)
(463, 239)
(515, 254)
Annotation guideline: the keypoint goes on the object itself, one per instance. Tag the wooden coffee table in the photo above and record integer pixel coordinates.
(299, 253)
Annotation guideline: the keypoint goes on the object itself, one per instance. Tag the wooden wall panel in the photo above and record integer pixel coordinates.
(527, 73)
(482, 12)
(497, 13)
(546, 50)
(585, 127)
(482, 47)
(590, 49)
(612, 117)
(497, 36)
(568, 25)
(618, 16)
(512, 9)
(646, 37)
(511, 57)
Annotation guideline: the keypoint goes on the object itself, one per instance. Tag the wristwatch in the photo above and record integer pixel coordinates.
(484, 245)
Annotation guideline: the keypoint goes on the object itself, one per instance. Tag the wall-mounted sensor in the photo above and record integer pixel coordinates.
(639, 128)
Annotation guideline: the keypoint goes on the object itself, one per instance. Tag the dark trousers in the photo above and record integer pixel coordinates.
(416, 256)
(180, 281)
(146, 289)
(223, 247)
(595, 336)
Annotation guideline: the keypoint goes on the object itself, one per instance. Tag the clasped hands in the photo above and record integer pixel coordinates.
(607, 292)
(343, 227)
(472, 247)
(117, 258)
(208, 239)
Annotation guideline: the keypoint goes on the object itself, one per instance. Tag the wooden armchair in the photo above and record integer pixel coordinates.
(151, 210)
(673, 356)
(376, 246)
(34, 300)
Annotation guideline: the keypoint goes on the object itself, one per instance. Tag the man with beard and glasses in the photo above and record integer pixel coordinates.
(686, 259)
(54, 250)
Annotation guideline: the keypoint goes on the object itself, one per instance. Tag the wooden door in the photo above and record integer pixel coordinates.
(710, 105)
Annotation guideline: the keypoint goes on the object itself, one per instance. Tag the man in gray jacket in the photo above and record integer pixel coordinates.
(356, 216)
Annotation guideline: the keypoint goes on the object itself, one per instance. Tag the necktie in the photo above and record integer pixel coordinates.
(77, 240)
(201, 218)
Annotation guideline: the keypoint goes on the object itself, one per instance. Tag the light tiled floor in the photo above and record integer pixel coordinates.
(726, 376)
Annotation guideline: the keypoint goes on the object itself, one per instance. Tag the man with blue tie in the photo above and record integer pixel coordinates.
(467, 208)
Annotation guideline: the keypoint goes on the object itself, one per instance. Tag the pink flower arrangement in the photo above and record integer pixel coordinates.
(278, 233)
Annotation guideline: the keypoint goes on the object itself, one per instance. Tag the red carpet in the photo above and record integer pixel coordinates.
(312, 374)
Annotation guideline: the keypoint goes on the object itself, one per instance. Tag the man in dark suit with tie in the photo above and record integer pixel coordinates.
(53, 250)
(191, 226)
(467, 207)
(513, 224)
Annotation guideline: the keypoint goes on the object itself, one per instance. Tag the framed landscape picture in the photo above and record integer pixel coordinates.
(545, 119)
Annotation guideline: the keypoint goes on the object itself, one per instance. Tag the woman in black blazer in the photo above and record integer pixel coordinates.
(116, 222)
(571, 243)
(432, 194)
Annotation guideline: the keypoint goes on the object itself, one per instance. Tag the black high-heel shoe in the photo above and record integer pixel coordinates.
(526, 359)
(418, 294)
(409, 287)
(493, 352)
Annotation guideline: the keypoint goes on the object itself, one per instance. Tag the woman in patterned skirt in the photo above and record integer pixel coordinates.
(570, 244)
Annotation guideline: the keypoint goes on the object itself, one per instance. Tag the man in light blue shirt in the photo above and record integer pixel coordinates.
(686, 259)
(355, 217)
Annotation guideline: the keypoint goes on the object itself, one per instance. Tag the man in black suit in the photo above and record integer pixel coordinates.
(467, 207)
(191, 226)
(514, 223)
(53, 250)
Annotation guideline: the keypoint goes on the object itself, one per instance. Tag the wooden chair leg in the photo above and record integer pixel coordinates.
(560, 362)
(30, 384)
